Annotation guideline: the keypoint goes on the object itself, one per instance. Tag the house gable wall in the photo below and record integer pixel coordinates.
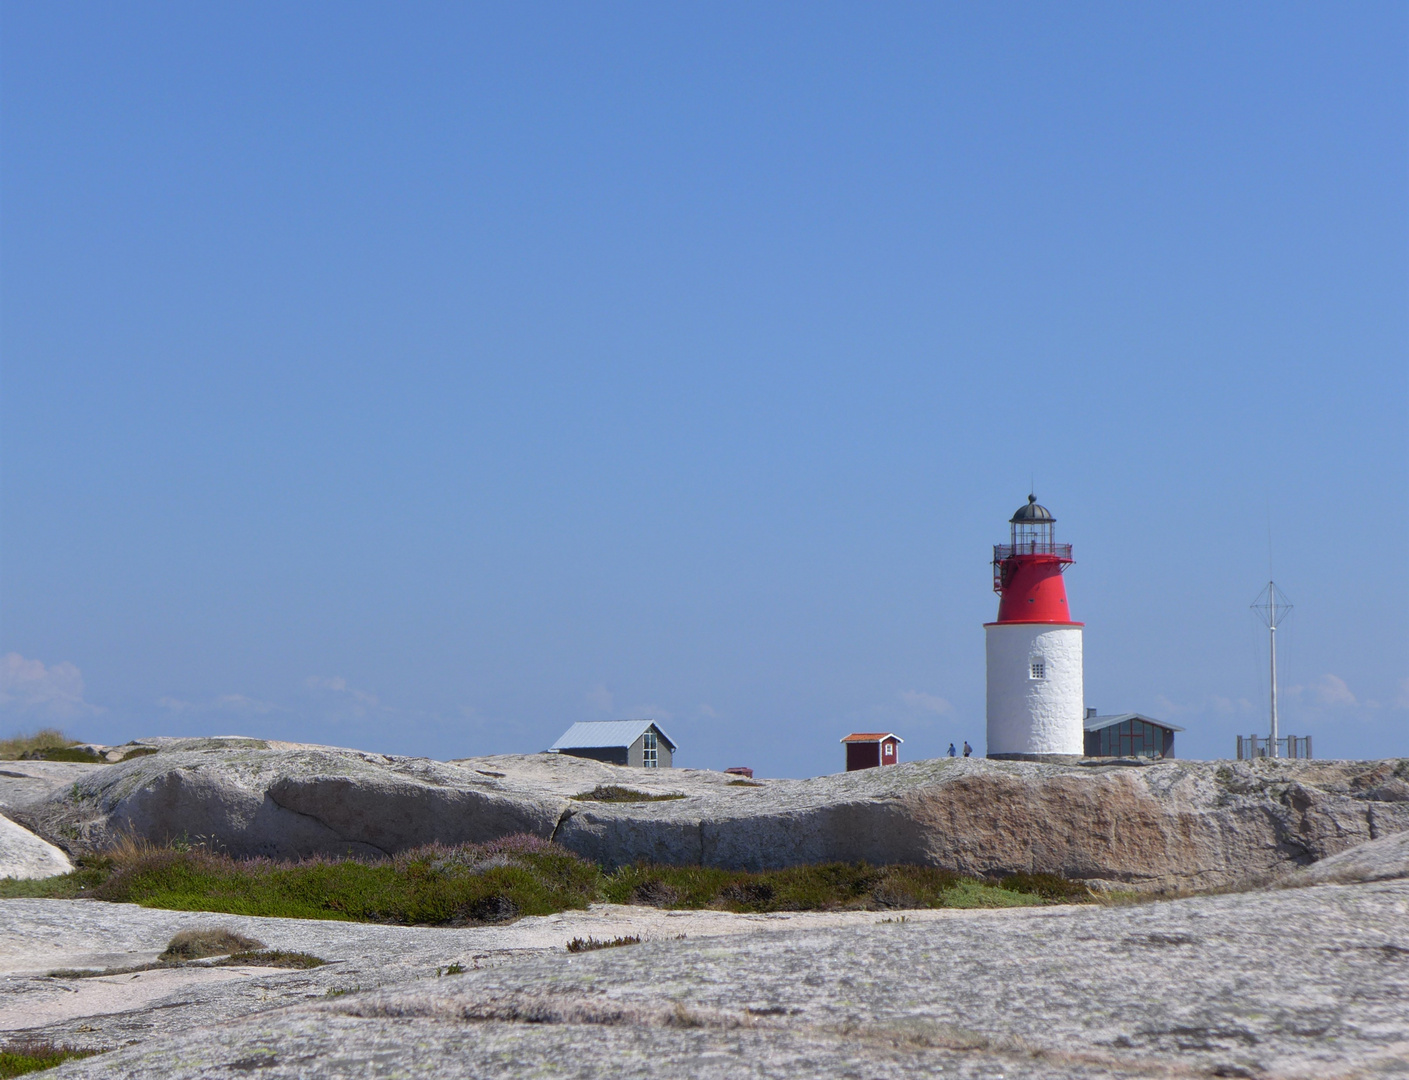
(635, 753)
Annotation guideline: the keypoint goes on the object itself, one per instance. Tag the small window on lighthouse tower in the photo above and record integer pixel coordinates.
(1039, 669)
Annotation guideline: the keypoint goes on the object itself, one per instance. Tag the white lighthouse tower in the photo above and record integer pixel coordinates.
(1036, 697)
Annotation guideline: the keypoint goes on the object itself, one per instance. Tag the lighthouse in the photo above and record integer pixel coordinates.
(1035, 693)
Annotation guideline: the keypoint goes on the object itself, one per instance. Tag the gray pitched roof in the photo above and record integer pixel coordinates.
(1096, 723)
(590, 734)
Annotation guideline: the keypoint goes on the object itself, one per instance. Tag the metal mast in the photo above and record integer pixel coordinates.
(1272, 607)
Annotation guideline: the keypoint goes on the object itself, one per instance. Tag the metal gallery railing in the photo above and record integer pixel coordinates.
(1035, 547)
(1251, 747)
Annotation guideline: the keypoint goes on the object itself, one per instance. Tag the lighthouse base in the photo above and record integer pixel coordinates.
(1036, 693)
(1044, 759)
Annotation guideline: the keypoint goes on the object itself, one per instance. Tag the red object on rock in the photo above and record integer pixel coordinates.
(870, 749)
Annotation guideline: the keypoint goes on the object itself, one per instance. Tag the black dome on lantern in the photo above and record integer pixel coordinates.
(1032, 514)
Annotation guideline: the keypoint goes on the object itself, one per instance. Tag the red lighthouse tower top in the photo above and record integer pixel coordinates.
(1027, 571)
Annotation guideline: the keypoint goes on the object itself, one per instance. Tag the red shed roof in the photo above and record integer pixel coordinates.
(872, 736)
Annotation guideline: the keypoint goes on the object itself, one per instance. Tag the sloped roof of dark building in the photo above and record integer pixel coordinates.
(1097, 723)
(596, 734)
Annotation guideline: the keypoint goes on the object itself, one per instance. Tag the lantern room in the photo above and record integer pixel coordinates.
(1027, 571)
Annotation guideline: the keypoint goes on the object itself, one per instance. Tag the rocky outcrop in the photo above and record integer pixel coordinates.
(252, 799)
(1385, 859)
(1294, 983)
(1172, 825)
(26, 782)
(24, 855)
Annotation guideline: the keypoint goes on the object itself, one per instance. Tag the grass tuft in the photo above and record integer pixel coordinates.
(1047, 886)
(33, 1055)
(278, 958)
(744, 783)
(590, 944)
(252, 958)
(13, 748)
(615, 793)
(195, 944)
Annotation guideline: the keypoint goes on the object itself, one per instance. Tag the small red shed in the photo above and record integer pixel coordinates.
(869, 749)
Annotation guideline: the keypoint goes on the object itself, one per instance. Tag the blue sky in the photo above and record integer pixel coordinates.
(426, 378)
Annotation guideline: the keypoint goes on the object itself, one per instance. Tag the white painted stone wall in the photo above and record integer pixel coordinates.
(1035, 716)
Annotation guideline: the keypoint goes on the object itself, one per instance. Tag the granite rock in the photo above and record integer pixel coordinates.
(1176, 825)
(250, 798)
(1384, 859)
(25, 782)
(24, 855)
(39, 936)
(1272, 983)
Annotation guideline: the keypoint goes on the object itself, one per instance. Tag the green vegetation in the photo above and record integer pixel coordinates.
(744, 783)
(613, 793)
(33, 1055)
(66, 887)
(80, 754)
(830, 886)
(1047, 886)
(478, 884)
(48, 739)
(473, 884)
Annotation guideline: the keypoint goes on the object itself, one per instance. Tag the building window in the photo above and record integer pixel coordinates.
(1039, 669)
(1133, 738)
(649, 757)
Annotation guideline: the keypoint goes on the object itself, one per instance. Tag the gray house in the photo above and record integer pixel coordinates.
(1129, 734)
(639, 743)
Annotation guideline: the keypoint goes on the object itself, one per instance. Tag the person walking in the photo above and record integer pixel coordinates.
(951, 749)
(968, 750)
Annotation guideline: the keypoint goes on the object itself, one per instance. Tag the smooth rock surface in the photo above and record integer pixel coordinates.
(1283, 983)
(40, 936)
(23, 783)
(1167, 826)
(24, 855)
(1384, 859)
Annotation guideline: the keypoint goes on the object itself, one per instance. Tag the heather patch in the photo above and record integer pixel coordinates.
(498, 882)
